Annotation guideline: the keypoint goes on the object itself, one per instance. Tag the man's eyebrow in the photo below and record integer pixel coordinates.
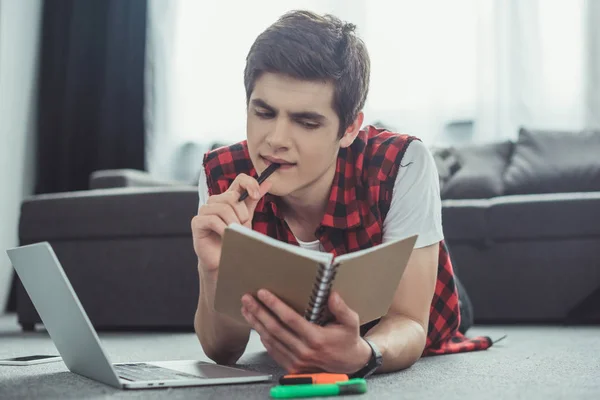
(262, 104)
(308, 115)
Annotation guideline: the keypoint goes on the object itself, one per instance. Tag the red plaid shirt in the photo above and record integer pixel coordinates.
(360, 198)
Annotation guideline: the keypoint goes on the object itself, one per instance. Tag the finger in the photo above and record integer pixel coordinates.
(252, 203)
(264, 188)
(274, 326)
(343, 314)
(277, 350)
(294, 321)
(245, 182)
(239, 207)
(221, 210)
(202, 224)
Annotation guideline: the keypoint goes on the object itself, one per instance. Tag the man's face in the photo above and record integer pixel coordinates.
(292, 122)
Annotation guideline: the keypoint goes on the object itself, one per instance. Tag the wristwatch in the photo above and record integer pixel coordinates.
(374, 362)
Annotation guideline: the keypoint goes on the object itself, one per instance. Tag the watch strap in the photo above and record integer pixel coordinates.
(374, 362)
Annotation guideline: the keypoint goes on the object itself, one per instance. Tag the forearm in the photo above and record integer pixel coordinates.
(223, 340)
(401, 341)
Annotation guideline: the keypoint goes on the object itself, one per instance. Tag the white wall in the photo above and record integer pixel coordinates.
(19, 30)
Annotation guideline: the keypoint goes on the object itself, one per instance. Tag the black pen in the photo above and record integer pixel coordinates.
(266, 173)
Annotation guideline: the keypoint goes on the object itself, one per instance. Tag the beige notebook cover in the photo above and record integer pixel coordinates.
(366, 279)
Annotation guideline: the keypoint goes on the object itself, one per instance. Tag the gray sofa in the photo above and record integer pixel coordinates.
(523, 224)
(522, 220)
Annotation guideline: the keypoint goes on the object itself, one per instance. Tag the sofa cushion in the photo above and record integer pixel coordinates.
(554, 162)
(544, 216)
(480, 174)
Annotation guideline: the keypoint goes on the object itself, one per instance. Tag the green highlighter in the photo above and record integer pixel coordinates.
(352, 386)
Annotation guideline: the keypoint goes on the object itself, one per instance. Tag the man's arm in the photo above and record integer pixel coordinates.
(223, 339)
(416, 207)
(402, 332)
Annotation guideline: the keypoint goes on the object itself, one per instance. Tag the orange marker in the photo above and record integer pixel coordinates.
(315, 379)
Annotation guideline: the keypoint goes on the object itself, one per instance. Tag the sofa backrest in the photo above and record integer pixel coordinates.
(554, 162)
(537, 162)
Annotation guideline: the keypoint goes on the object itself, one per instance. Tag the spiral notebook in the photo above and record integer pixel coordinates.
(366, 279)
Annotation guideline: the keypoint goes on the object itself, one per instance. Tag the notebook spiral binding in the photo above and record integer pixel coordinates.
(317, 303)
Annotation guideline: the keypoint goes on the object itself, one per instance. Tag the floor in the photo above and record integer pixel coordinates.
(533, 362)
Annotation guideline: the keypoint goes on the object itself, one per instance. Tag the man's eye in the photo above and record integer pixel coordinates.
(263, 115)
(308, 125)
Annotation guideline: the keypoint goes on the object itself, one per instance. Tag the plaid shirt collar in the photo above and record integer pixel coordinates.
(342, 210)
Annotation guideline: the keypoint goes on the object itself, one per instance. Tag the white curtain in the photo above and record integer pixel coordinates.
(535, 66)
(19, 43)
(423, 63)
(195, 62)
(497, 64)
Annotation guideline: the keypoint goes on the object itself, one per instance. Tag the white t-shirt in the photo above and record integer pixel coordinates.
(416, 206)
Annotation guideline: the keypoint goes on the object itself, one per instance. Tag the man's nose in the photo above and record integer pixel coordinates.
(279, 135)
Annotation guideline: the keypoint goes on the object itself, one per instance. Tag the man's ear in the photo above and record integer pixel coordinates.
(352, 131)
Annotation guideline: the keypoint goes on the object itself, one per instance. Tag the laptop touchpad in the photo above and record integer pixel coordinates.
(206, 370)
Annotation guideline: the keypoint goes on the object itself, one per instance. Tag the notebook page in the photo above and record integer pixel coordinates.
(250, 262)
(360, 253)
(367, 280)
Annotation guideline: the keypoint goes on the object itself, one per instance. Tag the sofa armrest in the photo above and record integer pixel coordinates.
(465, 220)
(108, 213)
(120, 178)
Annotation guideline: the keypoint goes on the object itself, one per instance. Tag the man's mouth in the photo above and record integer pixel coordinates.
(284, 164)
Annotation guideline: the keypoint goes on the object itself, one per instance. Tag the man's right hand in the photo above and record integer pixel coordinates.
(218, 212)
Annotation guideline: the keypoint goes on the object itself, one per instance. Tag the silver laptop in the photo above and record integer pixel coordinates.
(77, 341)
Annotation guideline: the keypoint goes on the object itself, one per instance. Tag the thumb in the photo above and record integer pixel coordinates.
(340, 310)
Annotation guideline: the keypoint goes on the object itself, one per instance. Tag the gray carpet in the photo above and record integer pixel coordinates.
(532, 363)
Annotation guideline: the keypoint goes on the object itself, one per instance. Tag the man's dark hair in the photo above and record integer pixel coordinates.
(308, 46)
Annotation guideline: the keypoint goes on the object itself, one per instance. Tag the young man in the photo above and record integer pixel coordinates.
(339, 189)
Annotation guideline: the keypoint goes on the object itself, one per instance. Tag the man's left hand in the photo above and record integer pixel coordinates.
(301, 346)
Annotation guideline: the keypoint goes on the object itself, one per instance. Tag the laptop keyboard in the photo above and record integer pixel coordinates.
(149, 372)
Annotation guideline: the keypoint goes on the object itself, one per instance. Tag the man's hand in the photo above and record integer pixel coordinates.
(221, 210)
(301, 346)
